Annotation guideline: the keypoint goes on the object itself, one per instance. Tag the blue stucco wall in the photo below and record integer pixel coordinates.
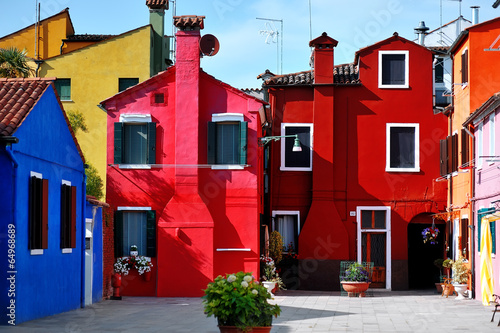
(97, 251)
(52, 282)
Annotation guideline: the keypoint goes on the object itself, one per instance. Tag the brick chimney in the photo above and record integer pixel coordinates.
(161, 47)
(323, 58)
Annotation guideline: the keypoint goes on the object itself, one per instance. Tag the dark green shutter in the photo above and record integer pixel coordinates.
(118, 233)
(480, 214)
(151, 143)
(243, 142)
(118, 143)
(151, 234)
(212, 143)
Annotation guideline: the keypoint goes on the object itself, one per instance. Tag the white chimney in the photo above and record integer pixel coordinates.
(475, 14)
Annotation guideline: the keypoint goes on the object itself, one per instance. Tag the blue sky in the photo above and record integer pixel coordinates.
(244, 52)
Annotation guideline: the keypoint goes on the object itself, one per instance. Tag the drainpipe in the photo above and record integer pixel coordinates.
(15, 163)
(472, 226)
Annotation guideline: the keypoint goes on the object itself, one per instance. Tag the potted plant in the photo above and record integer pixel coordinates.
(270, 276)
(276, 246)
(143, 265)
(430, 235)
(439, 264)
(239, 303)
(133, 251)
(355, 280)
(447, 286)
(460, 274)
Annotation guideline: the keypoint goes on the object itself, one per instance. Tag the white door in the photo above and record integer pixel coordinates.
(88, 262)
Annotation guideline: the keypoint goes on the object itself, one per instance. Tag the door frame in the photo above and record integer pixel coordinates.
(387, 231)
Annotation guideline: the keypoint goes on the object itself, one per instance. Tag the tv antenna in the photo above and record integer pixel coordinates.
(274, 36)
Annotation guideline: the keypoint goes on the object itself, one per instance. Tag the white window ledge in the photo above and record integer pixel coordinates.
(134, 166)
(68, 250)
(402, 170)
(36, 252)
(234, 250)
(228, 167)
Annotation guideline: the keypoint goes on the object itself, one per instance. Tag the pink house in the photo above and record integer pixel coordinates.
(184, 174)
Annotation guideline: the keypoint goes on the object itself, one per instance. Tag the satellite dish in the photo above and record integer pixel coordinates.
(209, 45)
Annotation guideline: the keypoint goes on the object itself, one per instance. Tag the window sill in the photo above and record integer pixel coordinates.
(134, 166)
(294, 169)
(402, 169)
(394, 86)
(67, 100)
(228, 167)
(36, 252)
(67, 250)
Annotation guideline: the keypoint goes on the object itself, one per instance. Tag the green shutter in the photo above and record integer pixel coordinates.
(243, 142)
(151, 234)
(151, 143)
(212, 143)
(118, 143)
(480, 214)
(118, 233)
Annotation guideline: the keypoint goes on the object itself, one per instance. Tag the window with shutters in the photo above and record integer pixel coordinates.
(296, 160)
(38, 213)
(68, 216)
(63, 88)
(393, 69)
(402, 148)
(480, 214)
(227, 141)
(465, 66)
(135, 226)
(135, 141)
(465, 153)
(449, 155)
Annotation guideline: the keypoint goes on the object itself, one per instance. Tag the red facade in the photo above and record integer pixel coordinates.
(368, 187)
(183, 163)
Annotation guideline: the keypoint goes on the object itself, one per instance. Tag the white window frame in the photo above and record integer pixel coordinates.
(137, 119)
(287, 212)
(387, 230)
(388, 168)
(283, 149)
(406, 53)
(225, 117)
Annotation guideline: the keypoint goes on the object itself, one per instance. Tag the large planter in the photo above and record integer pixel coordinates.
(460, 289)
(355, 288)
(234, 329)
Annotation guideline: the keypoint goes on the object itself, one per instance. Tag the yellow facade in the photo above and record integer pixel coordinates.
(94, 72)
(51, 32)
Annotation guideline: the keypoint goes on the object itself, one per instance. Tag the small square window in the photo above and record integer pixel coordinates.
(393, 69)
(124, 83)
(159, 98)
(63, 88)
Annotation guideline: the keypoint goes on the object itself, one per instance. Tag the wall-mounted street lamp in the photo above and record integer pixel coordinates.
(296, 142)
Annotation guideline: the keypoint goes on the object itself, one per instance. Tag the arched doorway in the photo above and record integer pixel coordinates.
(422, 273)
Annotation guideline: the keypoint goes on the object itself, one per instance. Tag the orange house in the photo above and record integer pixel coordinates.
(475, 78)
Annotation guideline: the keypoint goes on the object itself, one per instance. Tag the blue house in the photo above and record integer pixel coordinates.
(42, 204)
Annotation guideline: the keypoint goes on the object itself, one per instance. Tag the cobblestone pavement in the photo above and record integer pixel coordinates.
(302, 311)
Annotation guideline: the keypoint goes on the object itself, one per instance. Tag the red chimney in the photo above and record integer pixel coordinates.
(323, 58)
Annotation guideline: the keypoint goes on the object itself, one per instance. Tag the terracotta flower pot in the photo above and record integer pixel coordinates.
(354, 288)
(234, 329)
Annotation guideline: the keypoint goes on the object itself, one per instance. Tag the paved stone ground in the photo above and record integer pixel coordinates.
(302, 311)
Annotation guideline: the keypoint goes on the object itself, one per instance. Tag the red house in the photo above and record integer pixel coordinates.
(184, 173)
(363, 187)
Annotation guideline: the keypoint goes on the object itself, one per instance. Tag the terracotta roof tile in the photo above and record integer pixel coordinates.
(189, 21)
(157, 4)
(88, 38)
(17, 97)
(345, 74)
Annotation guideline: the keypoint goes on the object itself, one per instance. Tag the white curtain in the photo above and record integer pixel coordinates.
(286, 227)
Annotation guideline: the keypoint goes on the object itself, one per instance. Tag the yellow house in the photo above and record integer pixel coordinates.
(91, 68)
